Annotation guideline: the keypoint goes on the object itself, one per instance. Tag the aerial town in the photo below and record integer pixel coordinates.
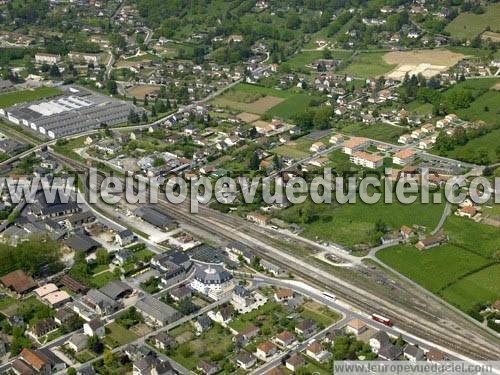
(406, 90)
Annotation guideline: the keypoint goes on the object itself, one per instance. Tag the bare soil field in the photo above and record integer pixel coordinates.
(426, 62)
(494, 37)
(428, 56)
(142, 90)
(259, 106)
(248, 117)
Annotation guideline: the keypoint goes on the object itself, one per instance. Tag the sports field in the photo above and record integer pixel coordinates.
(469, 25)
(464, 271)
(15, 97)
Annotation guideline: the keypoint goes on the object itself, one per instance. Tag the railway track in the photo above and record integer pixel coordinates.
(413, 318)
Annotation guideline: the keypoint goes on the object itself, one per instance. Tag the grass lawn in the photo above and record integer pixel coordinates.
(469, 25)
(298, 148)
(84, 356)
(488, 142)
(11, 98)
(102, 279)
(291, 151)
(213, 345)
(352, 224)
(478, 238)
(464, 271)
(485, 108)
(381, 132)
(6, 302)
(479, 287)
(67, 149)
(248, 88)
(435, 268)
(368, 64)
(319, 313)
(291, 106)
(300, 60)
(118, 334)
(244, 321)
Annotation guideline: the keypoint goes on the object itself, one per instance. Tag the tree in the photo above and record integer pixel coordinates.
(254, 162)
(153, 111)
(54, 71)
(112, 87)
(144, 117)
(108, 358)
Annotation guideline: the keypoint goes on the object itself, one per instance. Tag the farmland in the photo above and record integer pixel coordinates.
(381, 132)
(469, 25)
(464, 271)
(354, 224)
(291, 106)
(368, 64)
(300, 60)
(11, 98)
(263, 100)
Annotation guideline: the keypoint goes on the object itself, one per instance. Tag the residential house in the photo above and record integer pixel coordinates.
(295, 362)
(317, 352)
(125, 237)
(42, 327)
(356, 327)
(95, 327)
(431, 241)
(317, 147)
(18, 281)
(163, 340)
(207, 368)
(284, 339)
(245, 360)
(243, 338)
(305, 328)
(202, 323)
(77, 342)
(379, 340)
(283, 294)
(272, 268)
(413, 353)
(152, 365)
(265, 350)
(467, 211)
(390, 352)
(223, 316)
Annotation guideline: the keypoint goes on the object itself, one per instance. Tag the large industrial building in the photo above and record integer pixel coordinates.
(75, 111)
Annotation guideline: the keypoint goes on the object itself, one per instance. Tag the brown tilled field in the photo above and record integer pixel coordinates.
(142, 90)
(248, 117)
(434, 57)
(259, 106)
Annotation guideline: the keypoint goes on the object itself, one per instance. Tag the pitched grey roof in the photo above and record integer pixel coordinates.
(157, 309)
(116, 289)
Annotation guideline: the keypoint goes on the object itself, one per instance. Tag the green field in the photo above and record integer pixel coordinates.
(119, 334)
(381, 132)
(479, 287)
(11, 98)
(469, 25)
(368, 64)
(300, 60)
(464, 271)
(245, 87)
(353, 224)
(291, 106)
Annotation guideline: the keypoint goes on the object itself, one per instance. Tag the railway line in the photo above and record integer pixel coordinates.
(425, 323)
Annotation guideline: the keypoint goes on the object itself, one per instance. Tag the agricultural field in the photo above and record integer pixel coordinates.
(425, 62)
(470, 25)
(380, 132)
(300, 60)
(299, 148)
(259, 100)
(16, 97)
(291, 106)
(140, 91)
(368, 64)
(352, 225)
(464, 271)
